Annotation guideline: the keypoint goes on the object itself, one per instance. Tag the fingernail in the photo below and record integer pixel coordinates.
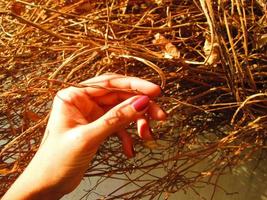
(141, 103)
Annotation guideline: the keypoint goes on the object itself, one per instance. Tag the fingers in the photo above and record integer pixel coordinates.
(104, 84)
(113, 98)
(96, 113)
(127, 143)
(143, 129)
(103, 77)
(117, 118)
(109, 110)
(70, 107)
(144, 133)
(156, 112)
(136, 84)
(72, 104)
(108, 99)
(73, 97)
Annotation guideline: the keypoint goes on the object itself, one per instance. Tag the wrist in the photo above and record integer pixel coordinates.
(41, 182)
(24, 189)
(34, 184)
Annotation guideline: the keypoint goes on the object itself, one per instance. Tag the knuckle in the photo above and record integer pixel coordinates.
(122, 116)
(64, 94)
(115, 117)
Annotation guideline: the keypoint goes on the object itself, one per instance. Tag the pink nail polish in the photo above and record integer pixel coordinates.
(141, 103)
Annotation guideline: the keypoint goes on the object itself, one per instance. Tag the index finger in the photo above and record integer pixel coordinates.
(101, 85)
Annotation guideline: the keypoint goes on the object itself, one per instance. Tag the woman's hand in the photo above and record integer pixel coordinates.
(81, 119)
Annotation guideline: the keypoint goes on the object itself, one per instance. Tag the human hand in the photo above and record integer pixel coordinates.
(81, 119)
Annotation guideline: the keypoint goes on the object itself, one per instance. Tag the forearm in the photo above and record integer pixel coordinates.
(22, 190)
(32, 185)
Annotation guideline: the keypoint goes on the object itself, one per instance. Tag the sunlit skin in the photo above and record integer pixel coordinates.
(80, 120)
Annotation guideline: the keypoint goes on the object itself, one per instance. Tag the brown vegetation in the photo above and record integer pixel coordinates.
(208, 56)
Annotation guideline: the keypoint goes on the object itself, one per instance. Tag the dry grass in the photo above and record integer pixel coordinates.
(208, 56)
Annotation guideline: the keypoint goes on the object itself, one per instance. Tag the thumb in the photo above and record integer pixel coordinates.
(116, 119)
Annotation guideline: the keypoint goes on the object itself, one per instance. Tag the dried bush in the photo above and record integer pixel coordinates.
(208, 56)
